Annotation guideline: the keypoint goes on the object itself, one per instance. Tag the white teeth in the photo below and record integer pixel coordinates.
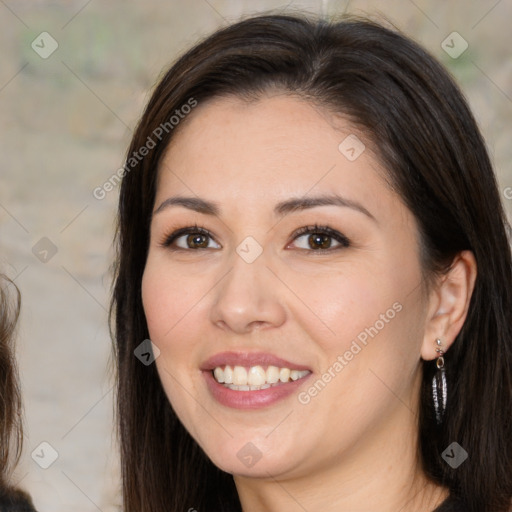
(254, 378)
(272, 374)
(284, 374)
(228, 375)
(294, 374)
(247, 388)
(239, 376)
(219, 374)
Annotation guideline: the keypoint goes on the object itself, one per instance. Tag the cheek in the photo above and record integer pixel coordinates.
(169, 299)
(336, 306)
(156, 302)
(170, 303)
(370, 315)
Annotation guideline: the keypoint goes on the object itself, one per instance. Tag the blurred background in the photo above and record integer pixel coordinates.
(74, 78)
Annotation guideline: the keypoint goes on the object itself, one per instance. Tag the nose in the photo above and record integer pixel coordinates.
(248, 298)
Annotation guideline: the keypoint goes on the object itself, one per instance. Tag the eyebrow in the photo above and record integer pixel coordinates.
(290, 205)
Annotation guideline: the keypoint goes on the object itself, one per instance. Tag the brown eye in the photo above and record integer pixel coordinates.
(190, 238)
(319, 241)
(320, 238)
(197, 241)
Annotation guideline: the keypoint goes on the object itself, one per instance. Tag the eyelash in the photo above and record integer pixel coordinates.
(312, 229)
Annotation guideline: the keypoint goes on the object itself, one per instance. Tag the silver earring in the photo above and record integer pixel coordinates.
(439, 387)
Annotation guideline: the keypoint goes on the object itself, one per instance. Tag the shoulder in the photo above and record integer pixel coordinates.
(15, 501)
(451, 504)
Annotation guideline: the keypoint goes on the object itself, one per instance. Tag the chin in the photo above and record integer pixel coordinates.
(251, 459)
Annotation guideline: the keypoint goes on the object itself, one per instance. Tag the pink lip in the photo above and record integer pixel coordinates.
(249, 359)
(250, 399)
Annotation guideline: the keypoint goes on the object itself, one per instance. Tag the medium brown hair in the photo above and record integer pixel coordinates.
(435, 158)
(11, 438)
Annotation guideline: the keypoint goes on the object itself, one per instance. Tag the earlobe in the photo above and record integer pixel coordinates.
(449, 304)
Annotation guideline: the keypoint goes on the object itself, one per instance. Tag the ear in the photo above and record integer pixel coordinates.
(448, 305)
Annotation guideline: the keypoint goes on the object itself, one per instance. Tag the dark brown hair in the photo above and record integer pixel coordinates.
(10, 398)
(427, 140)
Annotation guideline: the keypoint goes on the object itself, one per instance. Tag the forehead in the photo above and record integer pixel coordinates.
(272, 147)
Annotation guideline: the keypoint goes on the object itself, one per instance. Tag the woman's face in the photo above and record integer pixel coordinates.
(259, 303)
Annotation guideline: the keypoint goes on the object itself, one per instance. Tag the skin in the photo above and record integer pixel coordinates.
(354, 443)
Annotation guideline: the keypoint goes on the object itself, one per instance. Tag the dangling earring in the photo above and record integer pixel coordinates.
(439, 387)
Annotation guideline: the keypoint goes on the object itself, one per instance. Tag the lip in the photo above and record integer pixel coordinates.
(251, 399)
(248, 359)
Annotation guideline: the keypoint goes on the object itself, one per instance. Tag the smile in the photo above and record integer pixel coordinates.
(254, 378)
(245, 379)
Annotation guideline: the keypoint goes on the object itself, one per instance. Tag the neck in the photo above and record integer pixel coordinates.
(347, 496)
(380, 471)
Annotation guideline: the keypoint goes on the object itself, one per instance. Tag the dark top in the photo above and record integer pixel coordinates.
(18, 501)
(15, 501)
(451, 504)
